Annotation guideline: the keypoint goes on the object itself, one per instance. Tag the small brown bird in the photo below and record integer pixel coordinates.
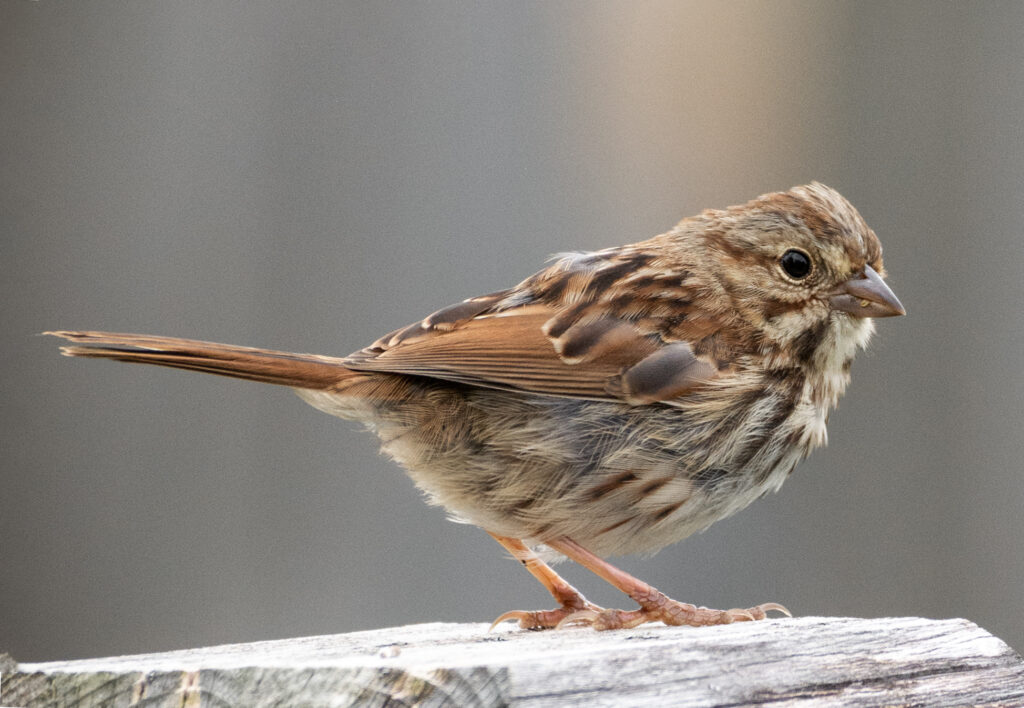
(616, 401)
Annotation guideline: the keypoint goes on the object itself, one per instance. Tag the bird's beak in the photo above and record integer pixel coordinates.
(866, 295)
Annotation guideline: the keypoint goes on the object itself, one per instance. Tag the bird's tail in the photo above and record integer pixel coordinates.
(307, 371)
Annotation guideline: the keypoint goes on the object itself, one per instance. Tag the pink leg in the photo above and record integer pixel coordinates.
(570, 599)
(654, 605)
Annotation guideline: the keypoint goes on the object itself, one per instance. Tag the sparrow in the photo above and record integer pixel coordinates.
(616, 401)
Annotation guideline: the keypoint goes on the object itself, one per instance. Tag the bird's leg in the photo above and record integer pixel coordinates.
(570, 599)
(654, 605)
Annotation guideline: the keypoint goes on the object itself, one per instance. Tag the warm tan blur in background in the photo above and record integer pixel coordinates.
(308, 176)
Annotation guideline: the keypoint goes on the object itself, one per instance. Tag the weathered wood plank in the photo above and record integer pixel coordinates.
(807, 661)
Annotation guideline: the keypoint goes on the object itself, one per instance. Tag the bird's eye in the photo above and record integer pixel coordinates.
(797, 264)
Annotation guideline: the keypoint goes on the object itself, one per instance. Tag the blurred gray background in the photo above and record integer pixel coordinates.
(308, 176)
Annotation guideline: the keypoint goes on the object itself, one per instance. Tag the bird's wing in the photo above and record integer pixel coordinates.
(565, 343)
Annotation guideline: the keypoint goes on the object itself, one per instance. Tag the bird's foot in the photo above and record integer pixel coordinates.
(660, 608)
(548, 619)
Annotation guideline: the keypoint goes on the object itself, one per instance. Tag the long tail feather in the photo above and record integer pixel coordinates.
(308, 371)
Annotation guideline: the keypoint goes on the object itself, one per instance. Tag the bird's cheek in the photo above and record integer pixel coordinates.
(792, 324)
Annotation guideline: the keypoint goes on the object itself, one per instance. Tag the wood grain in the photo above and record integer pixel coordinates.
(807, 661)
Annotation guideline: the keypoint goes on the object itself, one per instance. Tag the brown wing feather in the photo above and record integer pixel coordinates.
(495, 351)
(510, 350)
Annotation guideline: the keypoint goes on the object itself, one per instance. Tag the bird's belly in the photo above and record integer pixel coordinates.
(613, 477)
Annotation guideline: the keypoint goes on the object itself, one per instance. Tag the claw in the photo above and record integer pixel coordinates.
(769, 606)
(519, 615)
(548, 619)
(527, 620)
(754, 614)
(737, 615)
(578, 617)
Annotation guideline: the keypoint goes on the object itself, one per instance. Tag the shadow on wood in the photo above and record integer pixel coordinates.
(809, 660)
